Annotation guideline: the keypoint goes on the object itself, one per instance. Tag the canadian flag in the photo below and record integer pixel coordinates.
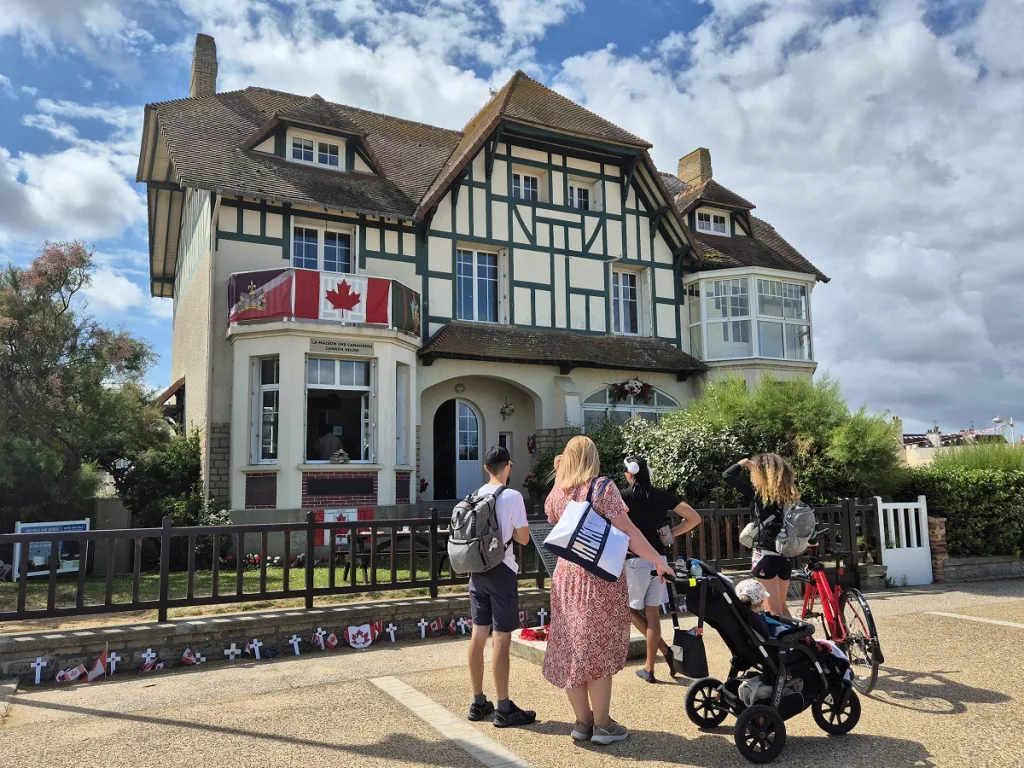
(70, 675)
(99, 669)
(331, 640)
(363, 635)
(436, 625)
(188, 657)
(348, 298)
(524, 618)
(150, 666)
(453, 626)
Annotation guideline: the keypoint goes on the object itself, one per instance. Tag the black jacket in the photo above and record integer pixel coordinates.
(765, 538)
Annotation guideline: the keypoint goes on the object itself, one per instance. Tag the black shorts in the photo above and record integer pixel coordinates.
(494, 598)
(769, 566)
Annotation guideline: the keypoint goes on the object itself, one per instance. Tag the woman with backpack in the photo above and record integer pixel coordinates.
(770, 489)
(589, 636)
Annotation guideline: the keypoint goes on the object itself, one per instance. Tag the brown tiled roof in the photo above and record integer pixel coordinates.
(206, 139)
(708, 192)
(522, 99)
(765, 249)
(506, 343)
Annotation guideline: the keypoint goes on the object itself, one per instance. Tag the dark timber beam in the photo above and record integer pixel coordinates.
(565, 368)
(425, 226)
(492, 149)
(627, 178)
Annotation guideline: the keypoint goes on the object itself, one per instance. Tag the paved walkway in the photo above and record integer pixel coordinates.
(950, 695)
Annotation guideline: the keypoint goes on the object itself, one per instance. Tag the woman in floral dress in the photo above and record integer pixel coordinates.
(589, 636)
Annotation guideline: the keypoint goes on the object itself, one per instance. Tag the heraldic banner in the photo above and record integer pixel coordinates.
(262, 295)
(405, 309)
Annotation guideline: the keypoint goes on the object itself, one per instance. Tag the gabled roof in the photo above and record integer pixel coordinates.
(523, 100)
(766, 248)
(316, 111)
(505, 343)
(709, 192)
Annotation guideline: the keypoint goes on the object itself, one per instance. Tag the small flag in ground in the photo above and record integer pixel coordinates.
(318, 638)
(149, 666)
(99, 669)
(524, 618)
(331, 641)
(453, 626)
(436, 626)
(71, 674)
(188, 657)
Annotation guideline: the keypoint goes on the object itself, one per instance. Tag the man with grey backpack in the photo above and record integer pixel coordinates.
(484, 525)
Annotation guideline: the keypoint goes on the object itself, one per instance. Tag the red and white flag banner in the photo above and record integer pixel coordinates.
(189, 657)
(71, 674)
(437, 625)
(331, 641)
(354, 299)
(99, 669)
(363, 635)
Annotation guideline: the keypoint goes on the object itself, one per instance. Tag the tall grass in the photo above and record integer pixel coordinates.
(1000, 456)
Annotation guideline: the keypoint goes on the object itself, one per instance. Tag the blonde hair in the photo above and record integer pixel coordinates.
(773, 479)
(580, 463)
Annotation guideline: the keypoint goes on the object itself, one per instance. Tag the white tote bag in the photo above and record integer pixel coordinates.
(584, 537)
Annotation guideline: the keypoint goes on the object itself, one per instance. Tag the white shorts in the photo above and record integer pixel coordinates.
(644, 589)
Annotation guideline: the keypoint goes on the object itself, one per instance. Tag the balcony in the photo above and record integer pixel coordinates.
(326, 297)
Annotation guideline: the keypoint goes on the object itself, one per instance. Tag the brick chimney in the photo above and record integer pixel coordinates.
(695, 168)
(204, 67)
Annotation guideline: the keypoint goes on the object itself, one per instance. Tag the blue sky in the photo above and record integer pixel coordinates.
(882, 139)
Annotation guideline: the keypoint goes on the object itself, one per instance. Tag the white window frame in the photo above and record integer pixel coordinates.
(709, 321)
(524, 173)
(367, 422)
(499, 277)
(694, 292)
(322, 229)
(709, 227)
(256, 410)
(783, 320)
(587, 186)
(640, 304)
(631, 405)
(317, 140)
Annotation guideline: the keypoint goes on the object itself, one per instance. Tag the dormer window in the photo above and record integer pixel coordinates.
(327, 154)
(302, 150)
(711, 223)
(315, 151)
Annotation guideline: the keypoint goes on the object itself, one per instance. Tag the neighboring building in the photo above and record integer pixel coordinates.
(411, 294)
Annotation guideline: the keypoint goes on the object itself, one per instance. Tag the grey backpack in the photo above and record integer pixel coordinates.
(475, 544)
(798, 524)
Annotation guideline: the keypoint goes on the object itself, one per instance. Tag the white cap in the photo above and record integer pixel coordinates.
(752, 590)
(632, 467)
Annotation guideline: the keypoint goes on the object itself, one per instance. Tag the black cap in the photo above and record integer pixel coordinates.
(496, 455)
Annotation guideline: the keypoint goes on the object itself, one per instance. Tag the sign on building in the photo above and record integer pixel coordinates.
(40, 553)
(341, 347)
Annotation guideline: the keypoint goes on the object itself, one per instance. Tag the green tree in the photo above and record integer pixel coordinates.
(72, 400)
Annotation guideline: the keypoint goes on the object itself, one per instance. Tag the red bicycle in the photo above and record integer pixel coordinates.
(845, 615)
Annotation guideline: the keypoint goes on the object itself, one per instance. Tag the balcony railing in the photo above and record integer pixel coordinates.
(330, 297)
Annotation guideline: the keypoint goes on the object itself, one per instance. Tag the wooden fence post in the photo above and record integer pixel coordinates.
(432, 554)
(310, 555)
(165, 567)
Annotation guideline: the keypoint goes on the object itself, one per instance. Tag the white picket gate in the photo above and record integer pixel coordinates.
(905, 549)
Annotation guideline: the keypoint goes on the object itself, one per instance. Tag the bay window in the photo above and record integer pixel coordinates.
(476, 276)
(727, 305)
(338, 409)
(266, 409)
(782, 326)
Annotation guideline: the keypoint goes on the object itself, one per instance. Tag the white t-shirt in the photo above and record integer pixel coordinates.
(511, 510)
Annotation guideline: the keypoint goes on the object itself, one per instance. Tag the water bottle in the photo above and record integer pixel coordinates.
(695, 570)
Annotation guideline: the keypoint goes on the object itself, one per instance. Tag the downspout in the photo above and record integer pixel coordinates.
(209, 347)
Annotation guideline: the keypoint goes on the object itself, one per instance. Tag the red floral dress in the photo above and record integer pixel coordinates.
(589, 636)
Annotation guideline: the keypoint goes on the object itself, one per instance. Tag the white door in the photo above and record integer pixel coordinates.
(468, 472)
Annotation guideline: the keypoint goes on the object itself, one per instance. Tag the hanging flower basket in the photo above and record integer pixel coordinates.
(506, 410)
(634, 388)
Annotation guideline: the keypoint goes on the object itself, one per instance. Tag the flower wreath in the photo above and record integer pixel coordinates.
(538, 635)
(633, 388)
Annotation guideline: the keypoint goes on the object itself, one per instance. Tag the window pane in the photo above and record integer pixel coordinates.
(619, 415)
(769, 336)
(625, 302)
(337, 252)
(727, 298)
(661, 400)
(327, 154)
(270, 371)
(719, 224)
(798, 342)
(703, 222)
(487, 287)
(650, 416)
(312, 371)
(593, 418)
(598, 398)
(268, 424)
(795, 301)
(579, 197)
(361, 374)
(530, 187)
(346, 373)
(302, 149)
(464, 287)
(468, 434)
(728, 340)
(517, 185)
(306, 247)
(693, 299)
(696, 343)
(769, 298)
(616, 303)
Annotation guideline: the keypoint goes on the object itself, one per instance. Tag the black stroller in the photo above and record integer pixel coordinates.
(769, 681)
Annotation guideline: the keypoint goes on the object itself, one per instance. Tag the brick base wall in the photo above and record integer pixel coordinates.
(548, 439)
(218, 471)
(403, 487)
(937, 543)
(315, 499)
(961, 569)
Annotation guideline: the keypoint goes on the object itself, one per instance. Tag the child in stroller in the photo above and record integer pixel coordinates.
(771, 679)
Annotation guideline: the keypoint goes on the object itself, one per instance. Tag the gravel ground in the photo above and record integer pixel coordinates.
(949, 695)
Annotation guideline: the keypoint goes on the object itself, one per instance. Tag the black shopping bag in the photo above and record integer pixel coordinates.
(688, 644)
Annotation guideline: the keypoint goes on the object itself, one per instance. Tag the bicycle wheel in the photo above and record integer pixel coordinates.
(861, 639)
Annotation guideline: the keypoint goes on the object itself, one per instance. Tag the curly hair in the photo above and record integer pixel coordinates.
(773, 479)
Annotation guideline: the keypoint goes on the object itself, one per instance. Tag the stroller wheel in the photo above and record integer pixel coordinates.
(830, 719)
(760, 733)
(704, 705)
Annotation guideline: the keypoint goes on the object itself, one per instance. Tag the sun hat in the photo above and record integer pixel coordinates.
(752, 590)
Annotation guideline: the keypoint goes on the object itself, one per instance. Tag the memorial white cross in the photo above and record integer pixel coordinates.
(112, 660)
(255, 646)
(295, 640)
(543, 615)
(149, 657)
(423, 628)
(320, 637)
(232, 652)
(200, 659)
(391, 629)
(38, 665)
(463, 624)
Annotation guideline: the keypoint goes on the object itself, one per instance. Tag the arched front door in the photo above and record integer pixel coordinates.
(457, 457)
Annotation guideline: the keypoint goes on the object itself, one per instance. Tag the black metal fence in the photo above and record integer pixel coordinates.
(179, 567)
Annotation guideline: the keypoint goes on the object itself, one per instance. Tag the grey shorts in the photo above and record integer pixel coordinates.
(644, 589)
(494, 598)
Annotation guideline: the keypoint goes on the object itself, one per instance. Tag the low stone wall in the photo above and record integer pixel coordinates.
(211, 635)
(961, 569)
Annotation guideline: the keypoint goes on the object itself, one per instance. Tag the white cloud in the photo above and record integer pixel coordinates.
(6, 87)
(97, 27)
(29, 90)
(119, 287)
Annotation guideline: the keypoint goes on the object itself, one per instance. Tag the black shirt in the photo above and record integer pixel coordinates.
(649, 513)
(760, 511)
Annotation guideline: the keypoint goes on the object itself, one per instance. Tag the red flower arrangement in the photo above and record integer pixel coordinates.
(633, 388)
(423, 484)
(538, 635)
